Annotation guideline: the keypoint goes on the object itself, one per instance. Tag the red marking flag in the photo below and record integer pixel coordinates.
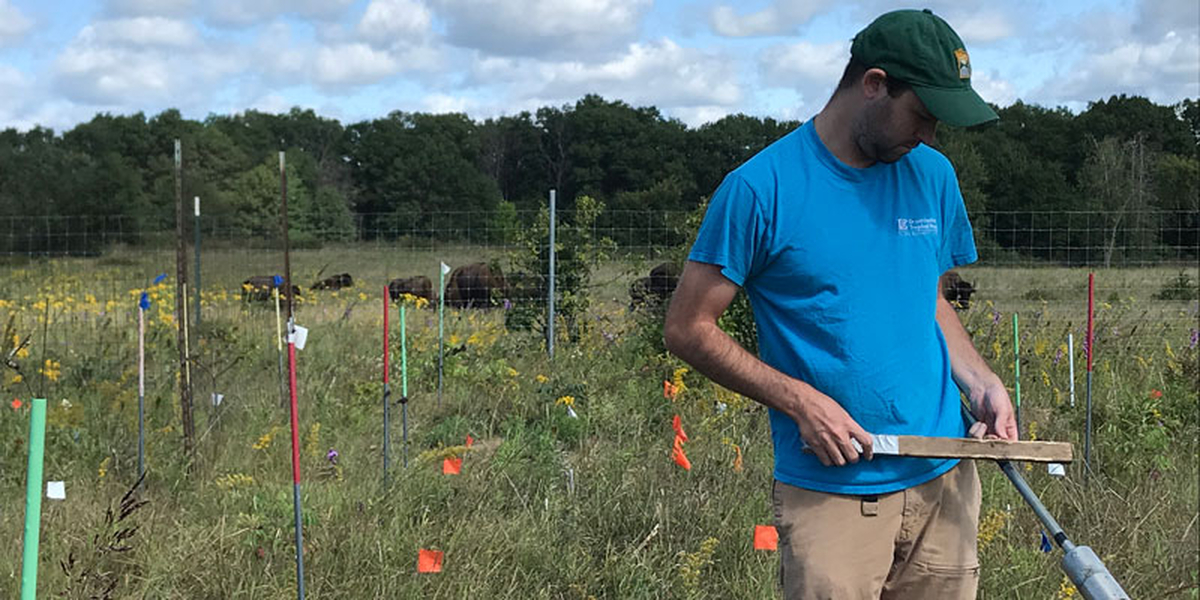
(429, 561)
(681, 459)
(766, 537)
(451, 466)
(677, 425)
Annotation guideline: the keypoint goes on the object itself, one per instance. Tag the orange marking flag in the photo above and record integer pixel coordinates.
(681, 459)
(766, 537)
(737, 460)
(451, 466)
(470, 440)
(677, 425)
(429, 561)
(669, 390)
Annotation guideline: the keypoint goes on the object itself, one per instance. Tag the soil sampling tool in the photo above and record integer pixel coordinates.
(1080, 563)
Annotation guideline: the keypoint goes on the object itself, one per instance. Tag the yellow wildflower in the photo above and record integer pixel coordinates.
(314, 439)
(234, 480)
(362, 296)
(991, 526)
(103, 470)
(565, 400)
(264, 441)
(1045, 378)
(512, 372)
(1066, 589)
(677, 381)
(52, 369)
(542, 378)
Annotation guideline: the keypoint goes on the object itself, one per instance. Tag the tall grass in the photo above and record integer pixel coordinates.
(632, 525)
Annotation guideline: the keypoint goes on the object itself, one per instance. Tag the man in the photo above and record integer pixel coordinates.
(838, 232)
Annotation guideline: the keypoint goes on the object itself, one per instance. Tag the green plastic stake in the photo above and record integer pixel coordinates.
(403, 354)
(33, 499)
(1017, 370)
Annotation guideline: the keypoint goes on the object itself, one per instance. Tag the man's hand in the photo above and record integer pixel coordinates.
(995, 413)
(828, 430)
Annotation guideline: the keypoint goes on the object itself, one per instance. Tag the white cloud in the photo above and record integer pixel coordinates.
(679, 81)
(153, 8)
(813, 70)
(351, 64)
(138, 61)
(1163, 70)
(273, 103)
(245, 13)
(984, 27)
(140, 31)
(13, 24)
(782, 17)
(992, 88)
(447, 103)
(1156, 18)
(389, 22)
(660, 73)
(802, 62)
(542, 27)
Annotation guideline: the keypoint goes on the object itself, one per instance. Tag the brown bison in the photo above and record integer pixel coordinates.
(656, 289)
(336, 282)
(418, 286)
(473, 286)
(956, 290)
(259, 289)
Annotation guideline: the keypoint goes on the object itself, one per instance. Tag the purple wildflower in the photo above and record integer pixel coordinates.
(995, 316)
(1058, 356)
(507, 304)
(1195, 339)
(332, 456)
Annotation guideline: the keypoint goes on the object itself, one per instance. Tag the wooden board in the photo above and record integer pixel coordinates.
(941, 447)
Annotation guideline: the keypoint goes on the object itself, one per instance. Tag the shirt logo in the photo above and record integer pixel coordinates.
(914, 227)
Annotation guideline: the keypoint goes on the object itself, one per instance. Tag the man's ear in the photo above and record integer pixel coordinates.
(874, 83)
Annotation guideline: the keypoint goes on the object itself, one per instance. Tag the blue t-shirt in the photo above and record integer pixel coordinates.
(841, 267)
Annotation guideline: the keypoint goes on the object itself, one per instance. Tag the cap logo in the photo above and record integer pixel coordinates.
(964, 63)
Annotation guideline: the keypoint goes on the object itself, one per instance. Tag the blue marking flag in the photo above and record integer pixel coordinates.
(144, 302)
(160, 278)
(1046, 547)
(278, 281)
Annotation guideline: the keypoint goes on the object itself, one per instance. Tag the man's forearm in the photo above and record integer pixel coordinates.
(718, 356)
(971, 372)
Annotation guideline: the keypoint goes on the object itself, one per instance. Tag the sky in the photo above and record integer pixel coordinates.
(63, 61)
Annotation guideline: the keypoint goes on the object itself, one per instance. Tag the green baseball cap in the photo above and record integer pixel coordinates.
(920, 49)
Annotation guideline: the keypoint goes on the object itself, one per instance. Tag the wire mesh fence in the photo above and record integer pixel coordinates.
(1030, 262)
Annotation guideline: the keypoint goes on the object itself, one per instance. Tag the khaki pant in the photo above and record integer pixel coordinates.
(912, 544)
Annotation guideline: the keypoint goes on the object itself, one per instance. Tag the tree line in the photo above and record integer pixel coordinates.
(1122, 158)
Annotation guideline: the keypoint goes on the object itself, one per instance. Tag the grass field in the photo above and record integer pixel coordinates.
(547, 506)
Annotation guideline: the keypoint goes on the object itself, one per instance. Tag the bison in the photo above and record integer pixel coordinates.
(956, 290)
(656, 289)
(335, 283)
(418, 286)
(473, 285)
(258, 289)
